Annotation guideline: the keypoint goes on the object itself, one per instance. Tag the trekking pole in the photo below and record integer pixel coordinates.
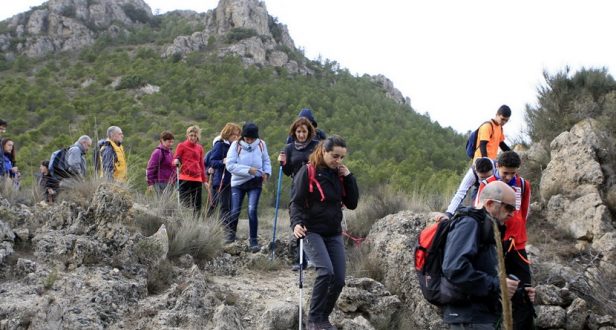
(502, 277)
(273, 245)
(177, 184)
(301, 280)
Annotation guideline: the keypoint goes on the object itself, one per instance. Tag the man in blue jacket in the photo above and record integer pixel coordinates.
(470, 262)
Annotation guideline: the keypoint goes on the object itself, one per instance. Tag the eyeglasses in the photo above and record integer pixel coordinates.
(508, 207)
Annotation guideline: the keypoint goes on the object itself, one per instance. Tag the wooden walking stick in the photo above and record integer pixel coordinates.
(502, 278)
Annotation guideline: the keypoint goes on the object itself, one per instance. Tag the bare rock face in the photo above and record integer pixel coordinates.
(66, 25)
(279, 316)
(575, 181)
(370, 299)
(226, 318)
(390, 91)
(575, 161)
(550, 317)
(392, 241)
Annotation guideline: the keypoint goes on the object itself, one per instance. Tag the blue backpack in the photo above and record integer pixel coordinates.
(471, 143)
(58, 166)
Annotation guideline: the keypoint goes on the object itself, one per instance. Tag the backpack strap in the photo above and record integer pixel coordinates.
(312, 180)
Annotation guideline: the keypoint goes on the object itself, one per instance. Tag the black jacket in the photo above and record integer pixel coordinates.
(322, 217)
(297, 158)
(471, 265)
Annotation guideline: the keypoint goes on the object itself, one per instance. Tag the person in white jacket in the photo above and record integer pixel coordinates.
(250, 167)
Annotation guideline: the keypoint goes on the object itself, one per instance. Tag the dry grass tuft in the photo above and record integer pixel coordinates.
(202, 239)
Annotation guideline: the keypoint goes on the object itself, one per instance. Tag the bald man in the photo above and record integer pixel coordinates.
(470, 261)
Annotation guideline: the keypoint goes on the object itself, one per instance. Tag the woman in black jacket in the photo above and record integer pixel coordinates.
(320, 190)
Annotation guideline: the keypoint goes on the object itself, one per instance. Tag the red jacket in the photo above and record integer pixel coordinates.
(516, 224)
(191, 157)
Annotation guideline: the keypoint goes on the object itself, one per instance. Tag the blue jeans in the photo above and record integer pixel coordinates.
(327, 254)
(237, 197)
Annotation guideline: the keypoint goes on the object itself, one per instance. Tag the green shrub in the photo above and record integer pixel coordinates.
(131, 82)
(238, 34)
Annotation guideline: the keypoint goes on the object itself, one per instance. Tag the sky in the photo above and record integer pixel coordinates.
(457, 61)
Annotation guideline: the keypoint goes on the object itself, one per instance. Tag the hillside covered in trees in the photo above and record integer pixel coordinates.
(130, 80)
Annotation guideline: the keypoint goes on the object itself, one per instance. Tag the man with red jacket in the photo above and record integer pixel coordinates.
(514, 240)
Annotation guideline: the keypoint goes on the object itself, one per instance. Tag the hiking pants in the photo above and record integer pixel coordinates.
(327, 254)
(221, 199)
(159, 188)
(523, 310)
(190, 194)
(237, 197)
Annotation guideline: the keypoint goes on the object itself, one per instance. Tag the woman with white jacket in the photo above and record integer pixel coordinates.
(250, 167)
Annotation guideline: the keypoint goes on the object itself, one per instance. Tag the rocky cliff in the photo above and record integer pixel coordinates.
(235, 27)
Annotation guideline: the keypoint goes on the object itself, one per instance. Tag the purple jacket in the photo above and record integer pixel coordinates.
(160, 168)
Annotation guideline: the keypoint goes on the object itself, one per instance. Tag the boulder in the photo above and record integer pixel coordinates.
(392, 240)
(369, 298)
(549, 295)
(585, 217)
(551, 317)
(6, 233)
(575, 161)
(279, 316)
(227, 318)
(357, 323)
(577, 314)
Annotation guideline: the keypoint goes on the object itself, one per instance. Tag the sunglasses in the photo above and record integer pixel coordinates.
(508, 207)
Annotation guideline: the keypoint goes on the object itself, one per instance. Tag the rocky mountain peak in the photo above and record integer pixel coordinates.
(66, 25)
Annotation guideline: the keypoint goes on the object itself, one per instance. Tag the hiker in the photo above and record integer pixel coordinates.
(75, 157)
(9, 170)
(249, 165)
(112, 158)
(316, 216)
(160, 171)
(470, 262)
(48, 183)
(307, 113)
(295, 155)
(3, 126)
(220, 181)
(514, 240)
(482, 169)
(189, 156)
(491, 136)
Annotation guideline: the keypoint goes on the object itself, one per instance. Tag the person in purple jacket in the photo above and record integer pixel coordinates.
(161, 171)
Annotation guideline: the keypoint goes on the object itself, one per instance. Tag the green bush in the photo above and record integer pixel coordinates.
(131, 82)
(566, 98)
(238, 34)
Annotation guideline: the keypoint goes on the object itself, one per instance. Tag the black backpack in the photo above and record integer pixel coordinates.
(58, 164)
(429, 253)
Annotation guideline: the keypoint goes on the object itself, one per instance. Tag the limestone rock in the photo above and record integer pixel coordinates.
(227, 318)
(552, 317)
(585, 217)
(575, 161)
(606, 245)
(6, 233)
(111, 204)
(391, 241)
(279, 316)
(390, 91)
(577, 313)
(24, 267)
(6, 250)
(549, 295)
(357, 323)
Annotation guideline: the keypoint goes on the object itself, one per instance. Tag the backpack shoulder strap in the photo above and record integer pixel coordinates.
(312, 180)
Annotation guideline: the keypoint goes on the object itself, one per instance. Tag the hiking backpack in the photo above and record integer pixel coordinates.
(429, 253)
(471, 143)
(58, 163)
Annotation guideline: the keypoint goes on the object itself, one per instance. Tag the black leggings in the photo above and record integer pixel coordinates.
(190, 194)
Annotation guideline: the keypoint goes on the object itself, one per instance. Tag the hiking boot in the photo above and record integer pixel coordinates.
(254, 248)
